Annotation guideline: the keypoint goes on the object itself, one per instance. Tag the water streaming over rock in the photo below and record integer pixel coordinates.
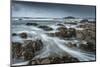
(52, 46)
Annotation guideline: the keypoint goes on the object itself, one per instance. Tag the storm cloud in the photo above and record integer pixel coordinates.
(37, 9)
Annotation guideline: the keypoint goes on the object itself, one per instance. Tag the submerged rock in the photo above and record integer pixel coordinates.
(23, 35)
(14, 34)
(31, 24)
(84, 21)
(60, 25)
(46, 28)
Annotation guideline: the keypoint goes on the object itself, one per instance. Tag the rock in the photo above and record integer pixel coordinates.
(80, 35)
(90, 26)
(14, 34)
(39, 45)
(71, 45)
(62, 28)
(35, 62)
(69, 17)
(46, 28)
(30, 48)
(64, 59)
(20, 19)
(91, 46)
(84, 20)
(72, 32)
(28, 55)
(51, 34)
(31, 24)
(16, 49)
(45, 61)
(60, 24)
(54, 60)
(69, 59)
(27, 50)
(32, 62)
(88, 47)
(33, 45)
(23, 35)
(64, 32)
(87, 34)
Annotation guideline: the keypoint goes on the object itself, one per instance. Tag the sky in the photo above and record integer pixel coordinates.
(37, 9)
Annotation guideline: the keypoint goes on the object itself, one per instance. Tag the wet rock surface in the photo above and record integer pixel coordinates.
(89, 46)
(84, 20)
(60, 25)
(30, 48)
(16, 49)
(64, 32)
(14, 34)
(71, 45)
(31, 24)
(27, 49)
(23, 35)
(46, 28)
(54, 60)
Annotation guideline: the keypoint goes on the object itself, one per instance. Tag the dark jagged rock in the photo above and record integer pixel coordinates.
(45, 61)
(88, 33)
(27, 49)
(72, 32)
(71, 45)
(69, 17)
(92, 21)
(69, 59)
(16, 49)
(53, 60)
(88, 47)
(91, 46)
(31, 24)
(28, 55)
(46, 28)
(31, 47)
(23, 35)
(60, 24)
(62, 28)
(14, 34)
(84, 20)
(51, 34)
(64, 33)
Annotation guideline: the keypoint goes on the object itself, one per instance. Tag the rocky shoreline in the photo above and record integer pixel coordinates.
(30, 48)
